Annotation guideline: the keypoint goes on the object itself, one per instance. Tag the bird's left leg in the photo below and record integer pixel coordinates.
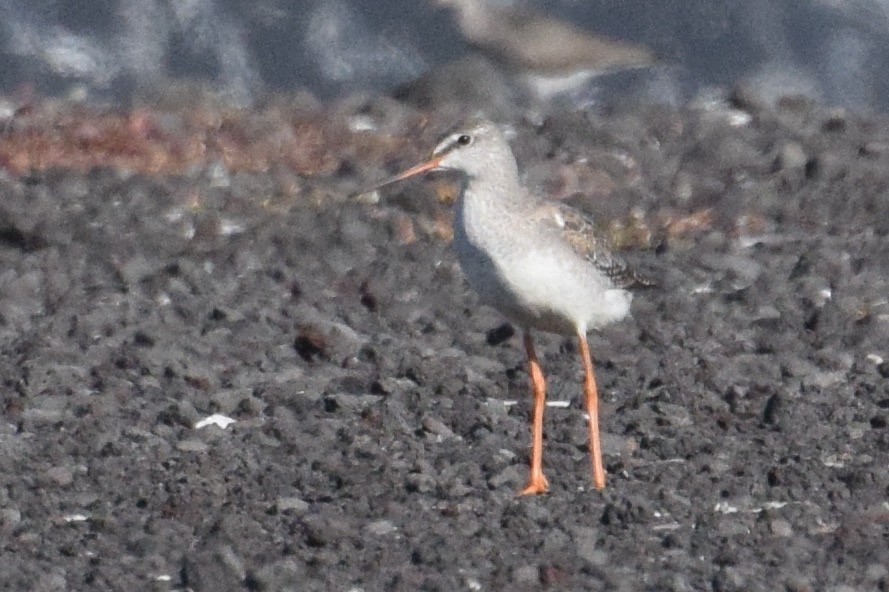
(591, 395)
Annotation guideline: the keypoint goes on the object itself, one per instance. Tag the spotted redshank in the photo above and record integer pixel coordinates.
(537, 261)
(552, 56)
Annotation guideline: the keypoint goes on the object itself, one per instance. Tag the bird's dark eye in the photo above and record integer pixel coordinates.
(464, 140)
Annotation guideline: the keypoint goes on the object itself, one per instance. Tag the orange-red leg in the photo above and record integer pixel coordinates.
(591, 394)
(537, 483)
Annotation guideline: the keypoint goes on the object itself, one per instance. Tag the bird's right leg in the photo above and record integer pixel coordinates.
(537, 483)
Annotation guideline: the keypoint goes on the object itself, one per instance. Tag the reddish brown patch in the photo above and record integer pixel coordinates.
(689, 225)
(47, 135)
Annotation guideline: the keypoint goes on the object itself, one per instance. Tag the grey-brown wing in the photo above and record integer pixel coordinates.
(579, 231)
(559, 46)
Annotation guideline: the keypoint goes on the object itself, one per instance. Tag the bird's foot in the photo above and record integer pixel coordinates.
(537, 484)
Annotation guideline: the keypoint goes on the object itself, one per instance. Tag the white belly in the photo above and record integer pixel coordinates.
(550, 290)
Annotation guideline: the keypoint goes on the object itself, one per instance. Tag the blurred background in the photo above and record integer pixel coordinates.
(835, 51)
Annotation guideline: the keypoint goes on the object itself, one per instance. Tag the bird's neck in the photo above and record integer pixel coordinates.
(491, 196)
(497, 179)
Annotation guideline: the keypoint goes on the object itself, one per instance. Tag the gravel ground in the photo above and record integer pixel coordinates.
(381, 416)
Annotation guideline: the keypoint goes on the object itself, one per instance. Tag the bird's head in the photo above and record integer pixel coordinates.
(475, 147)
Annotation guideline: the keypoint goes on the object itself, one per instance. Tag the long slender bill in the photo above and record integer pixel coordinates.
(428, 165)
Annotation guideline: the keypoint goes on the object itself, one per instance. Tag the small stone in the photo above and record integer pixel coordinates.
(676, 415)
(293, 505)
(134, 270)
(823, 380)
(280, 575)
(781, 528)
(585, 539)
(421, 482)
(191, 445)
(228, 400)
(381, 527)
(51, 581)
(213, 568)
(675, 583)
(736, 153)
(494, 411)
(403, 229)
(791, 156)
(390, 385)
(874, 148)
(10, 517)
(766, 314)
(526, 574)
(349, 402)
(62, 476)
(876, 572)
(731, 527)
(797, 584)
(36, 418)
(538, 513)
(555, 541)
(320, 337)
(729, 580)
(437, 427)
(510, 475)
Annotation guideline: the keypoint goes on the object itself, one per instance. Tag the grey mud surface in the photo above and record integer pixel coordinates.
(745, 403)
